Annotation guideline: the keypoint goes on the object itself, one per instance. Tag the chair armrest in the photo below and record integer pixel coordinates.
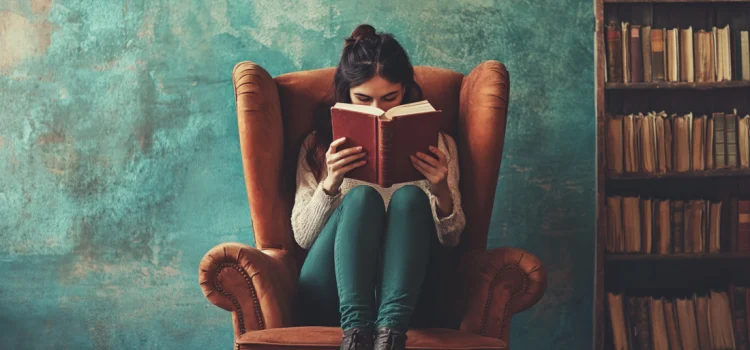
(256, 286)
(498, 284)
(261, 136)
(483, 112)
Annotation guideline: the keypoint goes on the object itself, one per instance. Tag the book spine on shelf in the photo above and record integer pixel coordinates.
(636, 57)
(614, 54)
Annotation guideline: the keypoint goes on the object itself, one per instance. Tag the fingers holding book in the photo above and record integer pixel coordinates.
(332, 157)
(341, 159)
(338, 163)
(335, 144)
(435, 169)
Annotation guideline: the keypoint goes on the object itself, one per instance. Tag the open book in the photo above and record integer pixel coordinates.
(389, 138)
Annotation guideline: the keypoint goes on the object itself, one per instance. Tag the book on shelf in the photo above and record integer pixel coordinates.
(658, 142)
(653, 225)
(389, 138)
(716, 319)
(645, 53)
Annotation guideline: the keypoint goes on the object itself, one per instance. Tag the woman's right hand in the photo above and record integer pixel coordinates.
(338, 163)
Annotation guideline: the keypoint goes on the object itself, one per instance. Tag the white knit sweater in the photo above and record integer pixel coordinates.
(313, 206)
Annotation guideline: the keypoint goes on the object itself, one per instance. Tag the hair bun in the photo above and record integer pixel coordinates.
(362, 32)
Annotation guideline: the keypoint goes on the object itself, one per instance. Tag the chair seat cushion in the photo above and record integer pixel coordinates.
(330, 338)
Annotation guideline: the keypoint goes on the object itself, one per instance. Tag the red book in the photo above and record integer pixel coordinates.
(636, 54)
(614, 53)
(389, 138)
(743, 226)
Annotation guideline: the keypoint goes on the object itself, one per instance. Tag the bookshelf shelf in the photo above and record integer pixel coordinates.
(650, 274)
(729, 257)
(679, 85)
(671, 1)
(682, 175)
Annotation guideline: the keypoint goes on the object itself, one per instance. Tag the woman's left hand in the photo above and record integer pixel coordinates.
(435, 170)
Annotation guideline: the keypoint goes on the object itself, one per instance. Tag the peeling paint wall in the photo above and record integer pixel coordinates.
(120, 161)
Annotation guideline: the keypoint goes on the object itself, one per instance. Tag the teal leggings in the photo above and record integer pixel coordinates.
(367, 268)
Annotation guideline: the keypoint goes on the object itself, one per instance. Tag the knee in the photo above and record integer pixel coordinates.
(363, 196)
(411, 199)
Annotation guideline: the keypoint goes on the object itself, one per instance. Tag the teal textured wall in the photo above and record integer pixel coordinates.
(120, 161)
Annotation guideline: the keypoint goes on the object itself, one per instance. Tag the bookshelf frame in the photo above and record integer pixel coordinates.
(622, 261)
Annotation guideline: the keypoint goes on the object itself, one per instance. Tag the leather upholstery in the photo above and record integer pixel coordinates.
(258, 284)
(499, 283)
(330, 338)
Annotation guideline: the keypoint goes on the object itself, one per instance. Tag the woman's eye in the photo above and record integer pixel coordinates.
(367, 99)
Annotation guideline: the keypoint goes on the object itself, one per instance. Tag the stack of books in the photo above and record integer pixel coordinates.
(659, 142)
(638, 53)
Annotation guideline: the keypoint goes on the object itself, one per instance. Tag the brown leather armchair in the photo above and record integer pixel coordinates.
(258, 285)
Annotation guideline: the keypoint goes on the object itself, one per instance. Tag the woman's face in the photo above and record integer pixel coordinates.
(377, 92)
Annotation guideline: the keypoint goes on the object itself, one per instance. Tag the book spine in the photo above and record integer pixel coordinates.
(625, 43)
(617, 321)
(743, 226)
(734, 221)
(614, 144)
(668, 141)
(687, 223)
(634, 321)
(737, 54)
(689, 55)
(646, 53)
(665, 234)
(385, 134)
(745, 48)
(720, 160)
(670, 319)
(687, 71)
(643, 325)
(657, 54)
(636, 57)
(740, 317)
(671, 47)
(743, 140)
(614, 54)
(699, 56)
(731, 139)
(629, 144)
(678, 228)
(709, 153)
(716, 59)
(646, 225)
(697, 145)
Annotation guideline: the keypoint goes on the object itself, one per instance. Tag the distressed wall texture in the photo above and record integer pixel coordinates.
(120, 161)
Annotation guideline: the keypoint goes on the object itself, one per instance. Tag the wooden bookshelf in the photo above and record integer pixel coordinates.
(672, 1)
(678, 85)
(650, 274)
(729, 257)
(644, 275)
(682, 175)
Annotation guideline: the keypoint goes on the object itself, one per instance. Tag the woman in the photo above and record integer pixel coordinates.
(366, 264)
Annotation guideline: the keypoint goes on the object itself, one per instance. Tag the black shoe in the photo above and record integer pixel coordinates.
(389, 339)
(357, 339)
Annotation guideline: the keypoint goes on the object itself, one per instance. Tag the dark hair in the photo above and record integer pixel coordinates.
(366, 54)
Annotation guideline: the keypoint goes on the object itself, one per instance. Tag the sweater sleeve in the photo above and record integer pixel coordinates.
(449, 228)
(312, 205)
